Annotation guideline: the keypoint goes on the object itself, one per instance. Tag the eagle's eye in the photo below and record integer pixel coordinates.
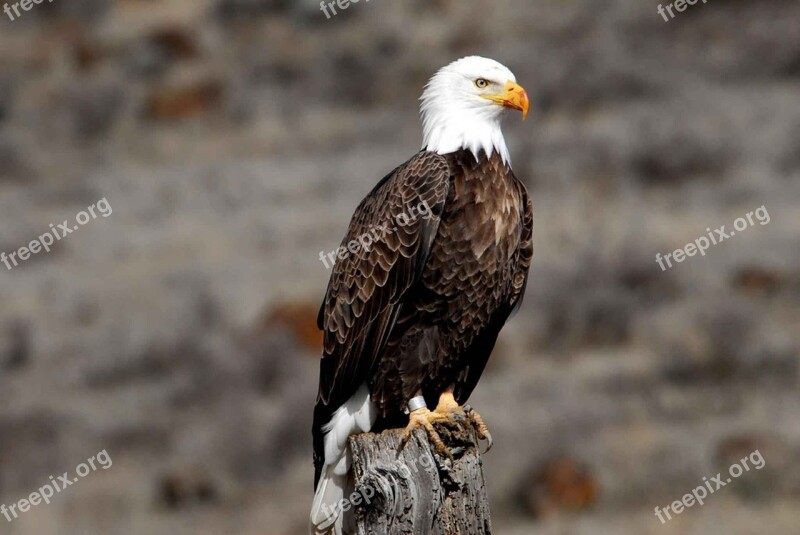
(482, 83)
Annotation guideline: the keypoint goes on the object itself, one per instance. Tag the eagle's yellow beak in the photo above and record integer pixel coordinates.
(513, 96)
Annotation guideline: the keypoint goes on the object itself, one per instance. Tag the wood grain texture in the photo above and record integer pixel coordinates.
(416, 491)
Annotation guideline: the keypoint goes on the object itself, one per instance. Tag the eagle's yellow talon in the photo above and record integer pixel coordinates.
(480, 426)
(424, 418)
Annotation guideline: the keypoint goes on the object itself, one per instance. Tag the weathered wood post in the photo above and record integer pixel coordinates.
(415, 491)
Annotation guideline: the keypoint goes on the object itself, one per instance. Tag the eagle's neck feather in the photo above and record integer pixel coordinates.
(447, 130)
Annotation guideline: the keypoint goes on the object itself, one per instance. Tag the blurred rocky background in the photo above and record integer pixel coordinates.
(234, 138)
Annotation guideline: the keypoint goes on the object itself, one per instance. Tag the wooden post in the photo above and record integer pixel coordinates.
(416, 491)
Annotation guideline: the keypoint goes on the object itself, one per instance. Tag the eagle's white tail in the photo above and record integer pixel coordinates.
(326, 516)
(357, 415)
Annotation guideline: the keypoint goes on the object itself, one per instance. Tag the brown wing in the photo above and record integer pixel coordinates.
(524, 254)
(366, 288)
(482, 347)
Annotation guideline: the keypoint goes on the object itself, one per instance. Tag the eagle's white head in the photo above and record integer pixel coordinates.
(463, 103)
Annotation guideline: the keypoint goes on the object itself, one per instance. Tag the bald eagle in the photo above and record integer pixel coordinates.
(411, 318)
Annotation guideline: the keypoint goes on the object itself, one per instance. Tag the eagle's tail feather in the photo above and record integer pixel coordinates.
(325, 514)
(357, 415)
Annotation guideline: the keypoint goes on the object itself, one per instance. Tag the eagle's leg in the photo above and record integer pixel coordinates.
(447, 405)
